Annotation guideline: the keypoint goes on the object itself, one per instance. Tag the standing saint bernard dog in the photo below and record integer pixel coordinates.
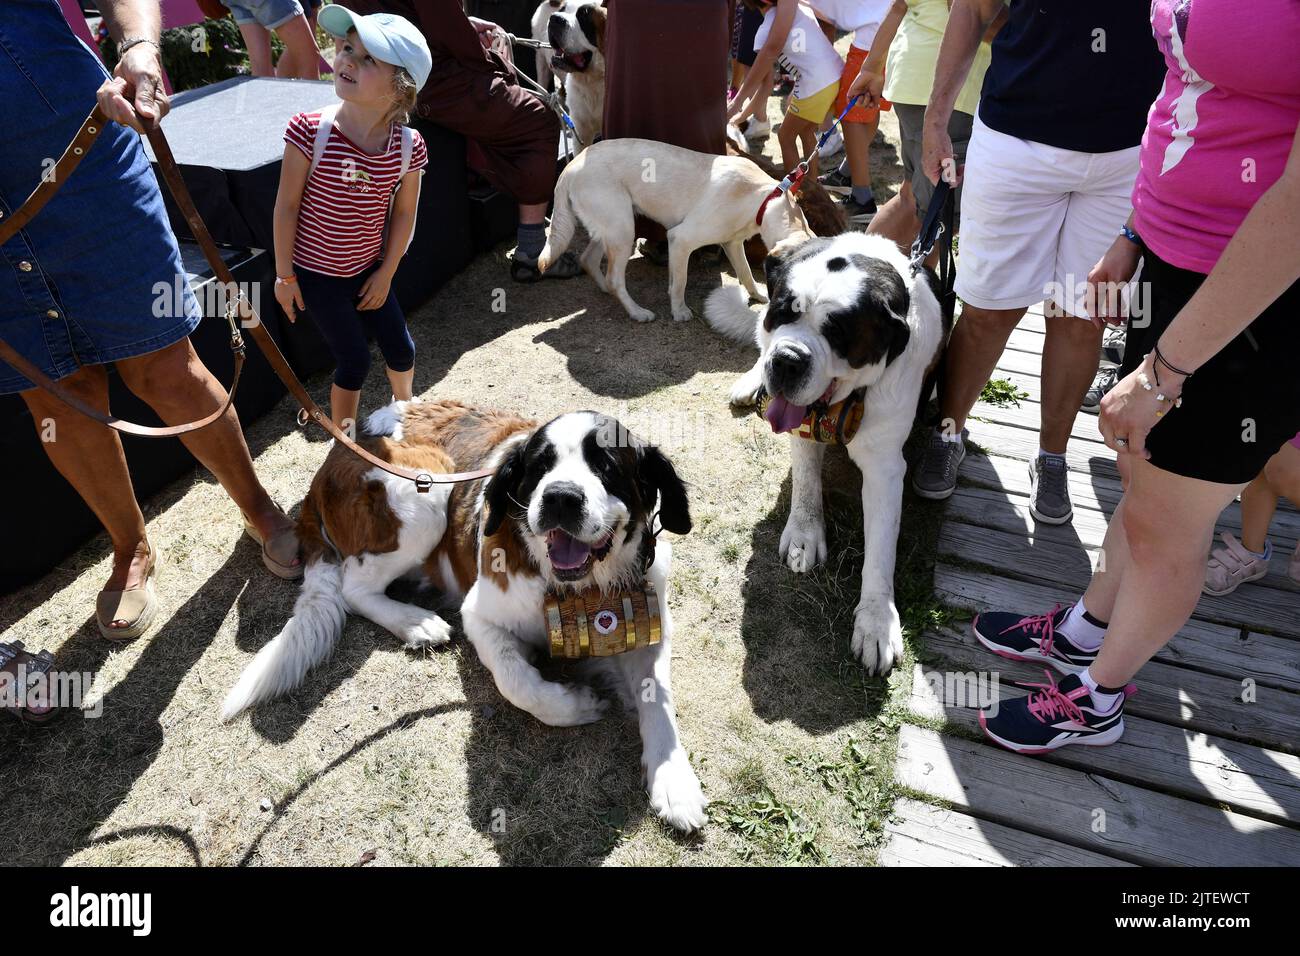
(570, 506)
(844, 313)
(576, 33)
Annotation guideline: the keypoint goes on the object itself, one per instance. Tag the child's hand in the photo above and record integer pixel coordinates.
(740, 109)
(374, 292)
(290, 298)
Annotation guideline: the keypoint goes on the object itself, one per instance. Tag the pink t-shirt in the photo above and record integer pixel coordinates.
(1219, 134)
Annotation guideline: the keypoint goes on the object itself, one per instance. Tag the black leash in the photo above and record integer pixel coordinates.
(937, 227)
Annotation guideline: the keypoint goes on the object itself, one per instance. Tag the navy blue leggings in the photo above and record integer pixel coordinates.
(332, 303)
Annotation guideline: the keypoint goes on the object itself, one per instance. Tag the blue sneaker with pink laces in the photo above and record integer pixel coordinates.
(1054, 715)
(1037, 638)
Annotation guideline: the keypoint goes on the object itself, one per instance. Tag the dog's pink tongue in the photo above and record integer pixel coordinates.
(564, 550)
(784, 417)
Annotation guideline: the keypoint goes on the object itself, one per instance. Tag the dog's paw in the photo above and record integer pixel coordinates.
(569, 705)
(431, 631)
(744, 394)
(803, 544)
(641, 315)
(676, 796)
(682, 313)
(758, 297)
(877, 634)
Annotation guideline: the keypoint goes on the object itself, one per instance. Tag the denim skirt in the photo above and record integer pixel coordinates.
(93, 278)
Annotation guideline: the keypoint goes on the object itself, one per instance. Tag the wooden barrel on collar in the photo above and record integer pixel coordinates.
(592, 624)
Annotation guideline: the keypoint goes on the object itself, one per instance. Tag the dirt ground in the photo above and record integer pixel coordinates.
(418, 759)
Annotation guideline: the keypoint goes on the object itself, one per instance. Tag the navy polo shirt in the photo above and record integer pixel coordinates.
(1074, 74)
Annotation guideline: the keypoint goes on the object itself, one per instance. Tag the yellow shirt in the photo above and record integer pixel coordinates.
(909, 71)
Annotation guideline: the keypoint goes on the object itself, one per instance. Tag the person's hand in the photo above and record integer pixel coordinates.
(740, 109)
(1129, 411)
(938, 161)
(870, 85)
(484, 29)
(374, 291)
(290, 298)
(134, 95)
(1106, 282)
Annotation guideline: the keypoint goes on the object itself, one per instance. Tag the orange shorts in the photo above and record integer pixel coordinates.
(859, 114)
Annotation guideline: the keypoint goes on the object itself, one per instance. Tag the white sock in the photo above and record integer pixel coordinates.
(1082, 633)
(1266, 554)
(1103, 702)
(1049, 454)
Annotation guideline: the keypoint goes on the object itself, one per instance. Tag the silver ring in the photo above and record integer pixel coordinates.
(1121, 442)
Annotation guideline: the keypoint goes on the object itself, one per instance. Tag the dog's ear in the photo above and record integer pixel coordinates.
(501, 488)
(657, 476)
(591, 20)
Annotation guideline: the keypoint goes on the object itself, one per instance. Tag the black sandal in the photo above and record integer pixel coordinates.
(523, 269)
(13, 658)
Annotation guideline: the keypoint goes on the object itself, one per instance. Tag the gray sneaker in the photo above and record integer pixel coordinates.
(935, 476)
(1049, 492)
(1102, 383)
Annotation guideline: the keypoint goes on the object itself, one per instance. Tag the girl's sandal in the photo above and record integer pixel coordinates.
(276, 545)
(14, 657)
(136, 606)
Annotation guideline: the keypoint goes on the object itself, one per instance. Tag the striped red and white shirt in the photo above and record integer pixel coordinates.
(345, 200)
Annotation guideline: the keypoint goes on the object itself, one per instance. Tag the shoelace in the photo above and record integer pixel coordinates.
(1052, 472)
(942, 466)
(1043, 625)
(1047, 702)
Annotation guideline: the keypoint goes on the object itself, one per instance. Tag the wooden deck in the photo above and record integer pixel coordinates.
(1201, 777)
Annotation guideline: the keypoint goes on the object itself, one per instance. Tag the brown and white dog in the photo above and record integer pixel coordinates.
(569, 506)
(577, 35)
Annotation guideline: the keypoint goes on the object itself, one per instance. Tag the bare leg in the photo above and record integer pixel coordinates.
(1167, 521)
(532, 214)
(402, 383)
(258, 43)
(897, 220)
(857, 150)
(90, 457)
(344, 406)
(176, 384)
(301, 58)
(1069, 364)
(978, 339)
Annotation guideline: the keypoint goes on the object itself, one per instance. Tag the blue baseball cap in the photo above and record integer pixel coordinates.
(386, 37)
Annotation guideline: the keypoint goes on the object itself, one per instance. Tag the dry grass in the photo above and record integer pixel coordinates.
(418, 758)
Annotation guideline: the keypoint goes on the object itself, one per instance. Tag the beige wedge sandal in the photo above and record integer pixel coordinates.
(136, 606)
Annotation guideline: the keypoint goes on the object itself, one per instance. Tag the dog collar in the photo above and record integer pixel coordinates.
(792, 181)
(826, 424)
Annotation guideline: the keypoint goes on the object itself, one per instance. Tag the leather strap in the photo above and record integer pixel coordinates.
(239, 312)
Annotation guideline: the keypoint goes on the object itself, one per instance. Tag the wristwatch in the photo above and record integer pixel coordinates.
(1129, 234)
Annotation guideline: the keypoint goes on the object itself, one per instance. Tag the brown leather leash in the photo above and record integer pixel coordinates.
(239, 312)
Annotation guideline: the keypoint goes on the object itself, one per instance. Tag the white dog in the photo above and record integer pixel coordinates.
(845, 314)
(700, 198)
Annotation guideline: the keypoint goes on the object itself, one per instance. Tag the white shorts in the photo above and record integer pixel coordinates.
(1035, 219)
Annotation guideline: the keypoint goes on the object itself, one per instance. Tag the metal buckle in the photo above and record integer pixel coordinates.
(423, 482)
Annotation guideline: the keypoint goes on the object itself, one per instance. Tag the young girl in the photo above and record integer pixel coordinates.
(791, 32)
(337, 244)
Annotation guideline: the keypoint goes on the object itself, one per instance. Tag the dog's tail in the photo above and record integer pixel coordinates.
(563, 223)
(307, 639)
(727, 311)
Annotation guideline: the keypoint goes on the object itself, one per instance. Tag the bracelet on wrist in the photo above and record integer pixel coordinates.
(1167, 364)
(128, 42)
(290, 279)
(1130, 235)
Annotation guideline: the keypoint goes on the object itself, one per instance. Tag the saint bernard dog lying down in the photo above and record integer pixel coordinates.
(845, 313)
(570, 507)
(700, 198)
(577, 36)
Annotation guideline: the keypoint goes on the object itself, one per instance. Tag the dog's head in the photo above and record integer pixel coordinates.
(580, 493)
(578, 38)
(837, 316)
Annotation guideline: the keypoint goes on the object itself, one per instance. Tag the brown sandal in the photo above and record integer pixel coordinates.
(14, 657)
(290, 572)
(136, 605)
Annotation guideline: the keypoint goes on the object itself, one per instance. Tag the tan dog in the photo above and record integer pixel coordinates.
(700, 198)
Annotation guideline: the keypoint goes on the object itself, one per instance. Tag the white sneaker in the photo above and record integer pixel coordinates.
(757, 129)
(834, 144)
